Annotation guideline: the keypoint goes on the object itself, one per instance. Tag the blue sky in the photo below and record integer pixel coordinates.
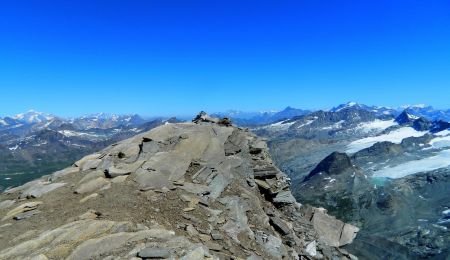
(178, 57)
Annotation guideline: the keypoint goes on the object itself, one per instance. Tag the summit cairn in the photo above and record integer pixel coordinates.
(204, 117)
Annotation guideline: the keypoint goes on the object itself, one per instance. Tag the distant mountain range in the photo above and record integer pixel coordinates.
(35, 143)
(373, 167)
(267, 117)
(100, 120)
(260, 118)
(420, 110)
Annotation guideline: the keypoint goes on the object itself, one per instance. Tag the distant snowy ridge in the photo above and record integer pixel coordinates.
(395, 136)
(441, 160)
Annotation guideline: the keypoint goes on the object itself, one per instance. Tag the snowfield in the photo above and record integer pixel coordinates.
(440, 142)
(334, 126)
(395, 136)
(70, 133)
(441, 160)
(3, 122)
(13, 148)
(282, 125)
(376, 126)
(310, 121)
(443, 133)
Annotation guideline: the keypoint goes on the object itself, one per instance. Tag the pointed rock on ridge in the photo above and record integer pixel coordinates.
(405, 118)
(418, 123)
(201, 190)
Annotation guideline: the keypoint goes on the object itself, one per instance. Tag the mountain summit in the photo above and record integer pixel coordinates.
(200, 190)
(32, 116)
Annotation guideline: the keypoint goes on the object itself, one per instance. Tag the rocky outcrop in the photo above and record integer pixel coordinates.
(201, 190)
(333, 164)
(422, 124)
(405, 118)
(440, 126)
(418, 123)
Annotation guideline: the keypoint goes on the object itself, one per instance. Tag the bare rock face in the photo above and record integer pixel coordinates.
(201, 190)
(331, 230)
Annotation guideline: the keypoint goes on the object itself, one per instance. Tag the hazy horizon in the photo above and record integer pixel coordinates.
(187, 115)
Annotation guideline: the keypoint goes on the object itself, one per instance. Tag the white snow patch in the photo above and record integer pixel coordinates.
(70, 133)
(441, 160)
(443, 133)
(376, 126)
(14, 147)
(440, 142)
(395, 136)
(282, 124)
(310, 121)
(335, 125)
(3, 122)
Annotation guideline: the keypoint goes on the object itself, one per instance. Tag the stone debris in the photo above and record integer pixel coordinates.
(214, 184)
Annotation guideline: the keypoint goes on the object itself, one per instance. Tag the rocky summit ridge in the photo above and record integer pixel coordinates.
(200, 190)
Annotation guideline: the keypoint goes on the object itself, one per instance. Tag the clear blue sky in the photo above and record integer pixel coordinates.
(177, 57)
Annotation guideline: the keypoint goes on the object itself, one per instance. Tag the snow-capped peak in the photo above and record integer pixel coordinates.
(32, 116)
(345, 106)
(3, 122)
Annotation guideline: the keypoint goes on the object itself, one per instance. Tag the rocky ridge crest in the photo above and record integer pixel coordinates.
(201, 190)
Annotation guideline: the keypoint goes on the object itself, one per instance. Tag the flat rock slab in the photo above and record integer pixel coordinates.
(90, 164)
(280, 225)
(113, 172)
(195, 188)
(6, 204)
(152, 180)
(64, 172)
(85, 159)
(40, 189)
(93, 195)
(93, 185)
(25, 215)
(119, 179)
(333, 231)
(284, 197)
(22, 208)
(154, 253)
